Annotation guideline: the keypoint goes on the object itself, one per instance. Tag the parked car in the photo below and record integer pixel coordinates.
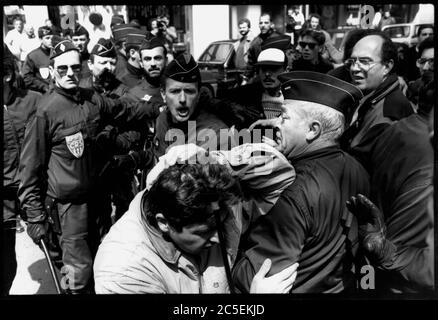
(403, 32)
(218, 72)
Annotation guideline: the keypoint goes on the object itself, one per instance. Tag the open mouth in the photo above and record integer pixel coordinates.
(183, 112)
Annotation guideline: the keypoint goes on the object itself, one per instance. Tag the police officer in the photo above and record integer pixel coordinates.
(18, 107)
(133, 72)
(80, 38)
(36, 67)
(102, 64)
(120, 32)
(60, 162)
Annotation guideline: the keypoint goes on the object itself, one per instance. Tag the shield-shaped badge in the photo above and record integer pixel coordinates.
(75, 144)
(44, 72)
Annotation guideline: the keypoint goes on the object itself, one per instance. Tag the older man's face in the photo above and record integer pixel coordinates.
(426, 62)
(292, 128)
(366, 67)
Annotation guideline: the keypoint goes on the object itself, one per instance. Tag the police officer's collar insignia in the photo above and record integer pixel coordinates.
(75, 144)
(186, 57)
(62, 47)
(146, 97)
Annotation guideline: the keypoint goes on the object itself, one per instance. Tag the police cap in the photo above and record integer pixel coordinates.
(332, 92)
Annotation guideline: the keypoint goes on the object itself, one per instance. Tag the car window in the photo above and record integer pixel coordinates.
(397, 32)
(217, 52)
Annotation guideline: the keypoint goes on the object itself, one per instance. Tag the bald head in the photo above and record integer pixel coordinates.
(374, 57)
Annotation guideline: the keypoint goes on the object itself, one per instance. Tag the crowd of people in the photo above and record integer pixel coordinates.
(137, 183)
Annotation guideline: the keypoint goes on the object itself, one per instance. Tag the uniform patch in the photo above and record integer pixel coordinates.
(75, 144)
(44, 72)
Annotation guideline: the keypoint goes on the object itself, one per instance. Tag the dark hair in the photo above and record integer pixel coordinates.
(424, 26)
(317, 35)
(389, 49)
(353, 37)
(135, 47)
(244, 20)
(266, 14)
(17, 19)
(425, 44)
(315, 15)
(184, 192)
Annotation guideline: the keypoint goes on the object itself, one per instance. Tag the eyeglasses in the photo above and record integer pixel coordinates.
(422, 61)
(364, 63)
(303, 44)
(63, 69)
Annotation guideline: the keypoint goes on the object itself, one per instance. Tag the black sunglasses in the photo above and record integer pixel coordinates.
(63, 69)
(303, 44)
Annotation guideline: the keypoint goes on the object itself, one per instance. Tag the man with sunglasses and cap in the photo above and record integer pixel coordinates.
(309, 223)
(36, 67)
(372, 71)
(60, 162)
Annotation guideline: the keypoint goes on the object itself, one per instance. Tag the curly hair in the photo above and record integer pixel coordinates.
(183, 193)
(317, 35)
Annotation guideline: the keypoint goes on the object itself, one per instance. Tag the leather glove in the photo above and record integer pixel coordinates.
(38, 231)
(106, 138)
(372, 229)
(124, 162)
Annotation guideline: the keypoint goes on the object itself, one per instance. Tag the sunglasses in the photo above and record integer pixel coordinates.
(303, 44)
(422, 61)
(63, 69)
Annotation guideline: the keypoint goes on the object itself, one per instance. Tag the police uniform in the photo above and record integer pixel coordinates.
(80, 30)
(60, 159)
(120, 31)
(19, 106)
(185, 69)
(309, 223)
(132, 75)
(36, 67)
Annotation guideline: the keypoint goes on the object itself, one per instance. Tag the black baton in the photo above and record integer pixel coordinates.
(52, 269)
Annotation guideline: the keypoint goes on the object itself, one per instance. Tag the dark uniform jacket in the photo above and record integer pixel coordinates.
(402, 187)
(376, 112)
(306, 225)
(115, 89)
(204, 120)
(17, 113)
(246, 101)
(131, 75)
(36, 70)
(60, 157)
(121, 66)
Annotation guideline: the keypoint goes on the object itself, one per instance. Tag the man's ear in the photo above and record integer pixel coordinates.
(162, 223)
(163, 94)
(314, 130)
(90, 65)
(388, 66)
